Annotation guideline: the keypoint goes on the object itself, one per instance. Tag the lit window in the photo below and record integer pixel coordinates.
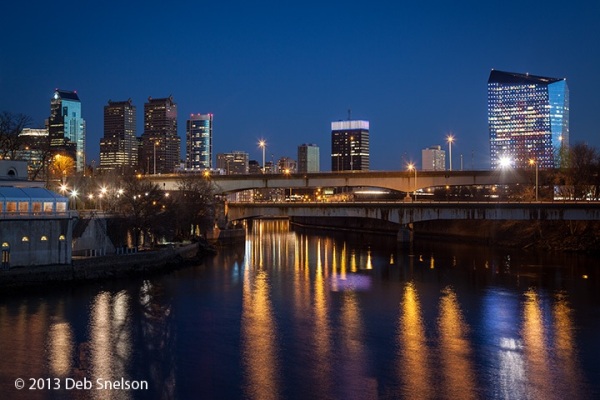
(25, 239)
(43, 238)
(5, 245)
(61, 237)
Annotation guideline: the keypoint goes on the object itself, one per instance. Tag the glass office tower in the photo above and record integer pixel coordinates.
(66, 127)
(350, 146)
(199, 129)
(308, 158)
(528, 119)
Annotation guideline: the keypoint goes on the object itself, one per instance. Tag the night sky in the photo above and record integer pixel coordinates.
(283, 70)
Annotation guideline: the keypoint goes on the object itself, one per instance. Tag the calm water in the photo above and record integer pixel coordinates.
(296, 315)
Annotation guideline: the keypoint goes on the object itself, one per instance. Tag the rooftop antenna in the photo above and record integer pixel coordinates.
(349, 114)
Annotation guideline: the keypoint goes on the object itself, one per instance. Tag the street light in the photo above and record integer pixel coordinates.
(155, 144)
(532, 162)
(263, 144)
(450, 139)
(412, 166)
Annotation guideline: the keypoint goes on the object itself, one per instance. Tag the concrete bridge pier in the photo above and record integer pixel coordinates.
(405, 233)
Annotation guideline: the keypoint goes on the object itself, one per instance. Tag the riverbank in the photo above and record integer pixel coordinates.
(573, 236)
(107, 267)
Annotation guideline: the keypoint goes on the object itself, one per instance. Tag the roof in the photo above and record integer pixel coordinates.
(514, 77)
(8, 193)
(64, 94)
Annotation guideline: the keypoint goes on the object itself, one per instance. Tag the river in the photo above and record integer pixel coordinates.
(294, 314)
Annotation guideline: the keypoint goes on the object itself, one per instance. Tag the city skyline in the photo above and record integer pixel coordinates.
(416, 73)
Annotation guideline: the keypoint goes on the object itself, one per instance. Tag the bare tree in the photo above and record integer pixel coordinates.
(11, 126)
(195, 203)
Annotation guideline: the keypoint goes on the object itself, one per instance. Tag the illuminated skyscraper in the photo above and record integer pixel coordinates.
(528, 118)
(350, 146)
(66, 127)
(119, 146)
(199, 142)
(160, 143)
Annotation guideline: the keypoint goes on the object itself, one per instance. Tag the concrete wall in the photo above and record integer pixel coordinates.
(94, 240)
(37, 241)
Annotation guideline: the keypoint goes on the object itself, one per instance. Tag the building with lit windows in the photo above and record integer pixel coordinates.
(433, 159)
(350, 146)
(286, 165)
(36, 226)
(66, 127)
(199, 129)
(234, 163)
(528, 118)
(308, 158)
(119, 146)
(160, 150)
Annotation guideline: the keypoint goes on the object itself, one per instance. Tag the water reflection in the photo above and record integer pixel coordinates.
(414, 368)
(60, 338)
(259, 337)
(455, 349)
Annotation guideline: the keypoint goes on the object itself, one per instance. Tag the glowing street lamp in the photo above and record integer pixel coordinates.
(450, 139)
(504, 162)
(411, 167)
(263, 144)
(532, 162)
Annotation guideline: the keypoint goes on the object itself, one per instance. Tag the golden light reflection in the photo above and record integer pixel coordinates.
(60, 340)
(357, 383)
(101, 352)
(539, 376)
(110, 339)
(570, 377)
(322, 332)
(455, 350)
(413, 357)
(369, 262)
(259, 340)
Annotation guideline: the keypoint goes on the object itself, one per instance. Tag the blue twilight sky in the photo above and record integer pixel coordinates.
(283, 70)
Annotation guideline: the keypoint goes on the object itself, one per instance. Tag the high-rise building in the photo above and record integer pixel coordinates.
(350, 146)
(199, 129)
(528, 118)
(308, 158)
(233, 163)
(433, 159)
(286, 165)
(66, 127)
(160, 153)
(35, 151)
(119, 146)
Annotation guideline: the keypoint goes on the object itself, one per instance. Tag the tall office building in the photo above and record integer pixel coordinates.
(66, 127)
(350, 146)
(433, 159)
(199, 129)
(160, 153)
(119, 146)
(528, 118)
(233, 163)
(308, 158)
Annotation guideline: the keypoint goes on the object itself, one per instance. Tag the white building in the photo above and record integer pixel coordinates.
(36, 227)
(433, 158)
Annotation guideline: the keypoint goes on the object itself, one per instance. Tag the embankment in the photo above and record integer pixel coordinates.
(105, 267)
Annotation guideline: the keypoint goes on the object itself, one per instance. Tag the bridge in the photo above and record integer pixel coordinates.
(403, 181)
(405, 213)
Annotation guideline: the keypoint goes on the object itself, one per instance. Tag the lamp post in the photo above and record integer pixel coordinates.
(155, 144)
(450, 139)
(263, 144)
(411, 167)
(532, 162)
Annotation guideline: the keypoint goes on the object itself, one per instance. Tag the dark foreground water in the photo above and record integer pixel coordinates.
(295, 315)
